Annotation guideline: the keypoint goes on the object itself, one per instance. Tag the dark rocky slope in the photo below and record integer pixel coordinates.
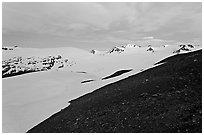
(167, 98)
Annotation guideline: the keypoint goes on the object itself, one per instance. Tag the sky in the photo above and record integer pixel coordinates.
(100, 25)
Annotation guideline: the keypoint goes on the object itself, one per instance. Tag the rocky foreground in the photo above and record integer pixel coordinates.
(166, 98)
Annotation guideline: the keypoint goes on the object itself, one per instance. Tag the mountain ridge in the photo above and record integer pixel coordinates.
(17, 65)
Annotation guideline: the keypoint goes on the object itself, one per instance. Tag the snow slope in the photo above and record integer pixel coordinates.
(31, 98)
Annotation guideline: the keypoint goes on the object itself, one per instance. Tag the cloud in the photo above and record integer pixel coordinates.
(148, 37)
(104, 21)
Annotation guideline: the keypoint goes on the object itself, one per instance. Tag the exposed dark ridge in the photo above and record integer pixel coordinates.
(177, 56)
(81, 72)
(120, 72)
(18, 73)
(166, 98)
(87, 81)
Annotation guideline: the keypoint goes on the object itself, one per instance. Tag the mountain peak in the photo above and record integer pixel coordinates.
(117, 49)
(184, 48)
(93, 51)
(9, 47)
(150, 49)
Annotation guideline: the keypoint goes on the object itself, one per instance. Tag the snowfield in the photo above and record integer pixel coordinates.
(30, 98)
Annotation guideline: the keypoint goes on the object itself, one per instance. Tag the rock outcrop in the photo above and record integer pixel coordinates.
(20, 65)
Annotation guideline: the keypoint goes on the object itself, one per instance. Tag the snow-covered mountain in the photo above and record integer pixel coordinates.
(135, 48)
(93, 51)
(131, 46)
(184, 48)
(19, 65)
(25, 60)
(31, 60)
(116, 50)
(123, 48)
(9, 48)
(150, 49)
(67, 73)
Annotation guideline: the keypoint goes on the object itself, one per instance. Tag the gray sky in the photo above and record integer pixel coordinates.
(99, 25)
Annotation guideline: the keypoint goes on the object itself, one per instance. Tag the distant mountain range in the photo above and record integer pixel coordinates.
(128, 47)
(20, 65)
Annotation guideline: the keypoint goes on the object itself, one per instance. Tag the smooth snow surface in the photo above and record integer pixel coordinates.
(31, 98)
